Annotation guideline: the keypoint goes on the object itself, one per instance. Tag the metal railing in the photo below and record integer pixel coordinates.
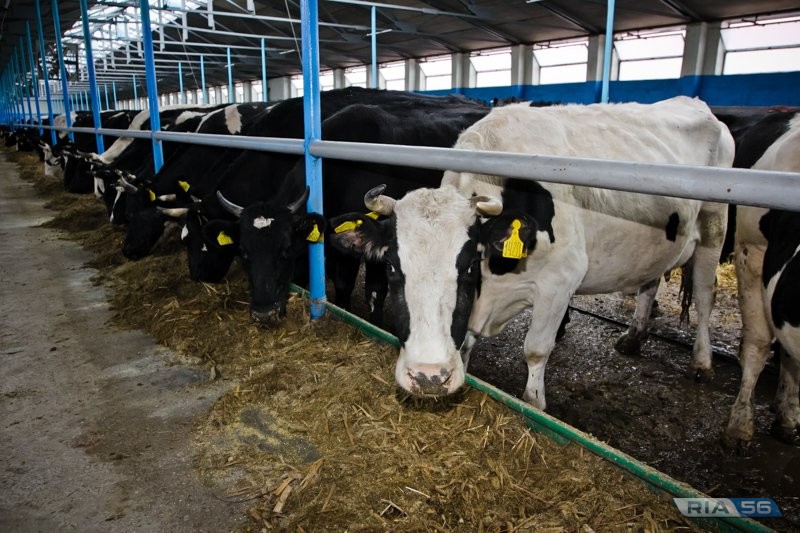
(780, 190)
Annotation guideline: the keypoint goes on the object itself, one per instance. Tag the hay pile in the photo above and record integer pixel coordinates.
(315, 434)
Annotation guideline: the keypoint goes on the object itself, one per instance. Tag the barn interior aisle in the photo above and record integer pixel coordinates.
(95, 423)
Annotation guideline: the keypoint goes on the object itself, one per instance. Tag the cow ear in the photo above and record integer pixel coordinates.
(359, 235)
(221, 234)
(309, 228)
(509, 236)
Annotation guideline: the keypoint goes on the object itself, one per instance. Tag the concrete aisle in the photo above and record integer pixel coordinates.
(95, 425)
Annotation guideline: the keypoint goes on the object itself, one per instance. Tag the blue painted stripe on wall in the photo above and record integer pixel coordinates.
(780, 88)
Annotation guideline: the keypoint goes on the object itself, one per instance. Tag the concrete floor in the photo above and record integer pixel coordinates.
(96, 424)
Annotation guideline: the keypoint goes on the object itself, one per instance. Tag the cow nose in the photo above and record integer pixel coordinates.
(430, 381)
(270, 317)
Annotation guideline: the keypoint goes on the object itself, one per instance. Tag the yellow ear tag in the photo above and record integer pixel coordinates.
(315, 235)
(152, 195)
(513, 248)
(373, 215)
(223, 239)
(184, 185)
(347, 226)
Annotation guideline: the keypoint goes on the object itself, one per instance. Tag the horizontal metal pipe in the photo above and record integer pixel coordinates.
(762, 188)
(739, 186)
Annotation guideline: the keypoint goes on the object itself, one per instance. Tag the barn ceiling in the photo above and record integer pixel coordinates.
(428, 28)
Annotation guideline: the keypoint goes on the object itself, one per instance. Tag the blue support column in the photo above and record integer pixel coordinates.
(135, 94)
(203, 80)
(231, 94)
(94, 90)
(24, 71)
(50, 114)
(180, 83)
(62, 68)
(114, 87)
(87, 101)
(309, 19)
(14, 85)
(152, 85)
(264, 91)
(34, 77)
(105, 89)
(374, 41)
(609, 45)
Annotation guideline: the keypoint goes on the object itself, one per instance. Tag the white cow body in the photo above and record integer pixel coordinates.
(578, 239)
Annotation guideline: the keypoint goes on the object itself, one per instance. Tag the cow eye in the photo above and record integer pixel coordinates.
(390, 269)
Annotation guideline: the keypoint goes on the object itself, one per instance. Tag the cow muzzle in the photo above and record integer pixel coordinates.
(270, 317)
(431, 380)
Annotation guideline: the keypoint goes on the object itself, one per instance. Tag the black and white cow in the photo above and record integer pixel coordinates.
(767, 258)
(380, 117)
(464, 259)
(190, 171)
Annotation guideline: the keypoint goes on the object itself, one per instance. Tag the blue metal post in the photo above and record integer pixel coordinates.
(135, 94)
(309, 19)
(152, 85)
(50, 113)
(609, 44)
(87, 100)
(94, 90)
(374, 48)
(15, 85)
(264, 95)
(34, 77)
(114, 87)
(231, 94)
(63, 70)
(180, 83)
(24, 71)
(203, 80)
(21, 91)
(105, 89)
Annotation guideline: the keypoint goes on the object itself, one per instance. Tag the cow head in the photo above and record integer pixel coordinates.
(146, 217)
(433, 246)
(211, 244)
(271, 237)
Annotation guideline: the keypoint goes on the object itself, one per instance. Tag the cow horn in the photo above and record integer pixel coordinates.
(174, 212)
(487, 206)
(128, 186)
(375, 201)
(230, 207)
(297, 204)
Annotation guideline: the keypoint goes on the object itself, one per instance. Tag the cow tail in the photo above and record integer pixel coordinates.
(686, 291)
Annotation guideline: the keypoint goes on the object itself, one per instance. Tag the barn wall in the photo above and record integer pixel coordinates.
(742, 89)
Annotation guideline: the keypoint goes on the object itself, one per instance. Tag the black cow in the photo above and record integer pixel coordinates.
(127, 154)
(402, 118)
(183, 175)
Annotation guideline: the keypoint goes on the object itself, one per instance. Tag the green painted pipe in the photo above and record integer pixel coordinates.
(564, 433)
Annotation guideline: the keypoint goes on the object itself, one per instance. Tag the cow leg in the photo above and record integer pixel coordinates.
(344, 274)
(466, 349)
(548, 312)
(630, 343)
(375, 289)
(755, 346)
(704, 280)
(787, 422)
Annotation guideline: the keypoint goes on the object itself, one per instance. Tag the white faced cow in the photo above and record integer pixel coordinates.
(767, 256)
(513, 244)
